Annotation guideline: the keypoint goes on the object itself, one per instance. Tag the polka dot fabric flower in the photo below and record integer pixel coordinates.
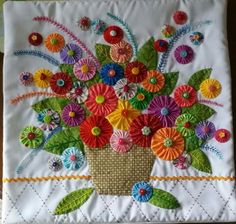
(78, 93)
(143, 128)
(84, 23)
(111, 73)
(26, 78)
(61, 83)
(205, 130)
(154, 81)
(72, 158)
(71, 53)
(102, 99)
(54, 42)
(185, 124)
(210, 88)
(141, 100)
(180, 17)
(121, 141)
(49, 119)
(125, 90)
(96, 131)
(84, 69)
(185, 96)
(142, 191)
(196, 38)
(222, 135)
(161, 45)
(165, 108)
(123, 115)
(183, 162)
(73, 114)
(167, 144)
(168, 31)
(31, 137)
(35, 39)
(42, 78)
(184, 54)
(136, 71)
(121, 52)
(98, 26)
(113, 34)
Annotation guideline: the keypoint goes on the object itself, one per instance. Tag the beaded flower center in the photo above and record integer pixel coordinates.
(34, 37)
(100, 99)
(31, 136)
(135, 71)
(25, 77)
(168, 142)
(146, 130)
(187, 125)
(126, 88)
(206, 129)
(113, 33)
(70, 53)
(222, 135)
(185, 95)
(84, 69)
(60, 82)
(96, 131)
(121, 51)
(43, 76)
(54, 41)
(47, 119)
(122, 141)
(165, 111)
(183, 54)
(71, 114)
(111, 72)
(153, 80)
(73, 158)
(140, 97)
(142, 191)
(212, 88)
(78, 91)
(124, 112)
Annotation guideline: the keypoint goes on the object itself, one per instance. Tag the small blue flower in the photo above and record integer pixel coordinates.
(72, 158)
(111, 73)
(142, 191)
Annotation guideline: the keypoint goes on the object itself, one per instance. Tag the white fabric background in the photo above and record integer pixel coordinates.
(34, 202)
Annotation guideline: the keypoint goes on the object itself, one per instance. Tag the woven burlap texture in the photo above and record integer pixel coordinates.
(115, 173)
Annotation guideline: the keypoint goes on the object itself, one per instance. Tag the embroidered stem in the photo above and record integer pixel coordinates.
(210, 148)
(40, 54)
(25, 96)
(70, 34)
(210, 102)
(179, 33)
(27, 160)
(129, 34)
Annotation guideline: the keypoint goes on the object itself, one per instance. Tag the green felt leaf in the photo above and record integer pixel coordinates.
(148, 55)
(54, 103)
(200, 111)
(200, 161)
(73, 201)
(171, 79)
(103, 53)
(163, 199)
(197, 78)
(67, 68)
(64, 139)
(192, 143)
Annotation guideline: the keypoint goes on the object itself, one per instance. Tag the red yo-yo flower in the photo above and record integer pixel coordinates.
(180, 17)
(161, 45)
(113, 34)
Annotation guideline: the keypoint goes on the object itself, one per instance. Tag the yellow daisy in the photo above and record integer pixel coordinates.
(122, 117)
(210, 88)
(42, 78)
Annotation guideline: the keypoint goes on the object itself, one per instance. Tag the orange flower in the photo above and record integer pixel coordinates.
(167, 144)
(154, 81)
(54, 42)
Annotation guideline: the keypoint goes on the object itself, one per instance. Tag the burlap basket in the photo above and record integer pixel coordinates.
(115, 173)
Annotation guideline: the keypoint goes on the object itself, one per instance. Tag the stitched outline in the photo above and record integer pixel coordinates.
(152, 178)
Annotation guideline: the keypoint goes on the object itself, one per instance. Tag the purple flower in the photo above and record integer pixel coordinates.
(205, 130)
(184, 54)
(71, 53)
(165, 108)
(73, 114)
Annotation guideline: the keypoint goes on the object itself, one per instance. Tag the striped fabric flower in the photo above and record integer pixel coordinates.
(205, 130)
(136, 71)
(49, 119)
(78, 93)
(71, 53)
(185, 96)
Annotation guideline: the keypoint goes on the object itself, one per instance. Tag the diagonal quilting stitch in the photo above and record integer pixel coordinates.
(141, 212)
(196, 200)
(121, 219)
(222, 197)
(14, 203)
(227, 201)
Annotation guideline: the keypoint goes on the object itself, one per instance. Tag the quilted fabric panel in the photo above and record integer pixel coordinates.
(94, 100)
